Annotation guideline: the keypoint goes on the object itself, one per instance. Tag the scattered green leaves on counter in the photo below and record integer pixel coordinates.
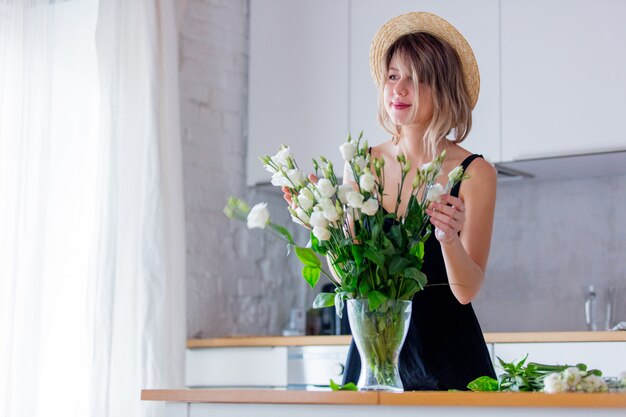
(347, 387)
(522, 376)
(484, 383)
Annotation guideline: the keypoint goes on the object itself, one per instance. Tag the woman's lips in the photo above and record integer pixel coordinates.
(400, 106)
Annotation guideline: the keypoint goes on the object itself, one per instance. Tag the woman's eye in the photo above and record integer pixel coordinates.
(393, 77)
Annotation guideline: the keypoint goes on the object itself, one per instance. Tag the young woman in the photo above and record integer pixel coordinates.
(428, 81)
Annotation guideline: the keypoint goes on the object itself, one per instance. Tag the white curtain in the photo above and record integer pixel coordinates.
(140, 326)
(92, 278)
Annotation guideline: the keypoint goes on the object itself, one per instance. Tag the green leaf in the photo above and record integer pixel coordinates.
(282, 232)
(417, 250)
(375, 299)
(375, 256)
(357, 252)
(324, 299)
(417, 275)
(347, 387)
(308, 257)
(396, 236)
(397, 265)
(311, 274)
(484, 383)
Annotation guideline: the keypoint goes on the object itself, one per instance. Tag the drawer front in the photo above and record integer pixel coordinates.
(236, 367)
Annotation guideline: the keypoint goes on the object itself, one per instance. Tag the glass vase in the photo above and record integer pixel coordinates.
(379, 335)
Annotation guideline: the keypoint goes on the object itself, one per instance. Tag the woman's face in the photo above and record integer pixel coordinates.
(400, 98)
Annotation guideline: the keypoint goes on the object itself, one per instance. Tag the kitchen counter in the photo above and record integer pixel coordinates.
(529, 337)
(257, 402)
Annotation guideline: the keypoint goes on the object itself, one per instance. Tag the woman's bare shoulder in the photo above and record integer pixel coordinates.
(383, 149)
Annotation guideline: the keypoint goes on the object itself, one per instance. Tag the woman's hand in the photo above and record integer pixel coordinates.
(448, 217)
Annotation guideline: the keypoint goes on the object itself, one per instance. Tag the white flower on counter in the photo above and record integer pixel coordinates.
(355, 199)
(325, 187)
(572, 376)
(318, 219)
(367, 182)
(348, 150)
(342, 190)
(435, 192)
(554, 383)
(593, 383)
(321, 233)
(622, 379)
(304, 200)
(259, 216)
(370, 207)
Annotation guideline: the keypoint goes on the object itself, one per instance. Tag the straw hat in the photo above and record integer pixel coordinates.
(434, 25)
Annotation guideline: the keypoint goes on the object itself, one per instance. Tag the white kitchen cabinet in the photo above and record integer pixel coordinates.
(257, 366)
(477, 20)
(609, 357)
(563, 77)
(298, 81)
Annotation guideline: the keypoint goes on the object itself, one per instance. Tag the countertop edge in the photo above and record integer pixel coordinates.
(513, 337)
(422, 398)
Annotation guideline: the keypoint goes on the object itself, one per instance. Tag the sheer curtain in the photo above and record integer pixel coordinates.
(140, 326)
(91, 217)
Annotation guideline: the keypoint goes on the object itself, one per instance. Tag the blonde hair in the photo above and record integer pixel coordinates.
(435, 63)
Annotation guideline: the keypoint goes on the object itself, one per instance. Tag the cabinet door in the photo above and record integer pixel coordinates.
(236, 367)
(476, 20)
(563, 77)
(298, 81)
(609, 357)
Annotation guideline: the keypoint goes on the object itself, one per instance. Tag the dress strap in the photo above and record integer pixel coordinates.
(466, 163)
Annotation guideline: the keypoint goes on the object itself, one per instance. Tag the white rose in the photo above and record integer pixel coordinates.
(572, 376)
(331, 214)
(554, 383)
(367, 182)
(318, 219)
(279, 180)
(259, 216)
(304, 201)
(296, 176)
(593, 383)
(370, 207)
(321, 233)
(325, 203)
(361, 162)
(622, 378)
(307, 194)
(325, 187)
(283, 156)
(269, 168)
(435, 192)
(302, 215)
(456, 174)
(355, 199)
(348, 150)
(342, 190)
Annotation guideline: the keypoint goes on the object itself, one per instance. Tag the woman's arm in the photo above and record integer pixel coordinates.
(465, 256)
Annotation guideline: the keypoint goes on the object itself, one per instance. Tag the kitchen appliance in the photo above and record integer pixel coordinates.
(314, 366)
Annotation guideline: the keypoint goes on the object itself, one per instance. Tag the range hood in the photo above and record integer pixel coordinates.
(562, 167)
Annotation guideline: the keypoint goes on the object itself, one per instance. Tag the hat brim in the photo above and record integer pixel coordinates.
(428, 23)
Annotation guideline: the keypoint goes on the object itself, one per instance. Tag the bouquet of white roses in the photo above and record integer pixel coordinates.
(376, 255)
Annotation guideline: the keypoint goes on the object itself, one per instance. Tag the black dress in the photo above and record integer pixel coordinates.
(444, 347)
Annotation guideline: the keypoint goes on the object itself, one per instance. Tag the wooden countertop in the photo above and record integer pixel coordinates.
(416, 398)
(528, 337)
